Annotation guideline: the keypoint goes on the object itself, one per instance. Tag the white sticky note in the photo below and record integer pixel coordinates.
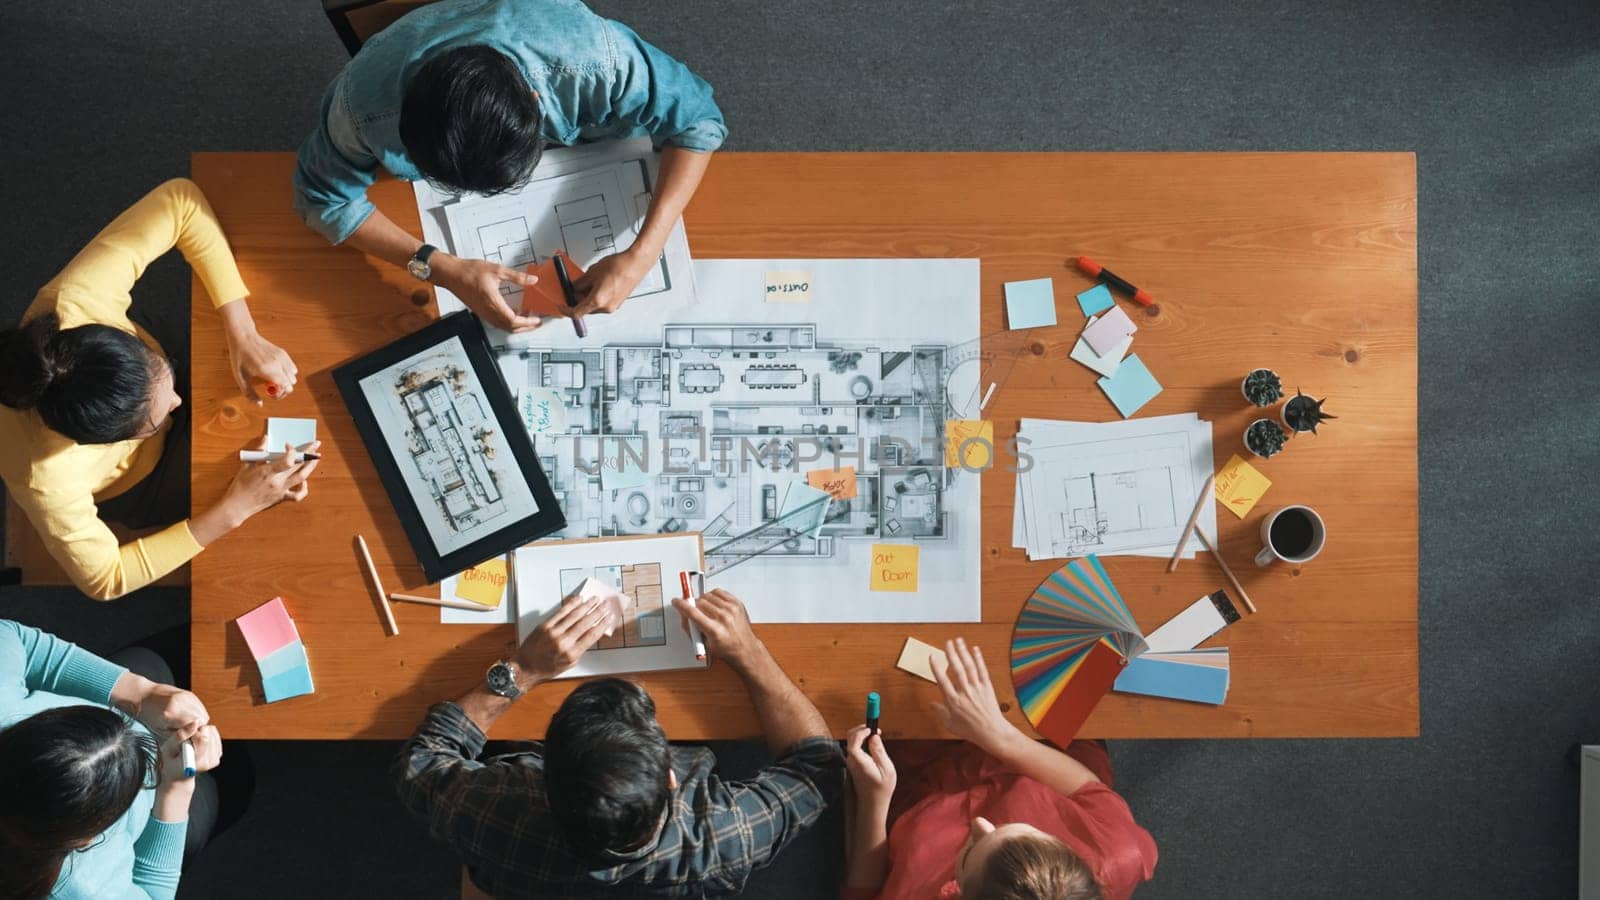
(1104, 363)
(298, 432)
(542, 410)
(917, 658)
(1108, 330)
(790, 286)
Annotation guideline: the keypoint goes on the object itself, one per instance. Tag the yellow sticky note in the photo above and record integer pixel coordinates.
(839, 483)
(483, 584)
(1240, 485)
(968, 443)
(789, 287)
(917, 658)
(894, 567)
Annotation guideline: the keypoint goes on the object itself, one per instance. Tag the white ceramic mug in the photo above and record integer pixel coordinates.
(1269, 554)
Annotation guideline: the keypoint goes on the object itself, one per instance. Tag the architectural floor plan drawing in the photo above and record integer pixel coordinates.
(729, 412)
(644, 618)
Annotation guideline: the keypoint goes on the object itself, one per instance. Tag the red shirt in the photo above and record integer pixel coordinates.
(961, 782)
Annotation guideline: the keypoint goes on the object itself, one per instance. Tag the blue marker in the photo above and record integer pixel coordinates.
(186, 750)
(872, 713)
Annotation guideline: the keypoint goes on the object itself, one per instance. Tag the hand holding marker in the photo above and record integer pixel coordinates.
(872, 713)
(699, 591)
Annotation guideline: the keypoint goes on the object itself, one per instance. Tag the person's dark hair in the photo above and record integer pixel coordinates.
(1032, 867)
(470, 122)
(606, 763)
(90, 383)
(66, 775)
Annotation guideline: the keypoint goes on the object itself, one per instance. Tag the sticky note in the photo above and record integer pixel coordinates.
(1096, 300)
(1240, 485)
(268, 628)
(545, 296)
(484, 583)
(894, 567)
(298, 432)
(290, 656)
(792, 286)
(542, 410)
(968, 443)
(917, 658)
(623, 462)
(798, 497)
(612, 599)
(293, 683)
(1108, 330)
(1132, 387)
(1030, 304)
(839, 483)
(1106, 363)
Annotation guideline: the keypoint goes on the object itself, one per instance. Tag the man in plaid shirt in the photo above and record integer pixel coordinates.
(605, 806)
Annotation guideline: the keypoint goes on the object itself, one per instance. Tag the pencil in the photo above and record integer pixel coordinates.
(383, 598)
(1223, 564)
(1194, 517)
(434, 601)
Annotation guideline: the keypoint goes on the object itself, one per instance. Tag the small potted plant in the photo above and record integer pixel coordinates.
(1264, 438)
(1262, 387)
(1303, 413)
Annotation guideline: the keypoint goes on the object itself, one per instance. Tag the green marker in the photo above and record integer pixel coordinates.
(872, 713)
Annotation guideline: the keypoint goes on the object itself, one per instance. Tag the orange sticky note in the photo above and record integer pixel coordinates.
(1240, 485)
(839, 483)
(894, 567)
(484, 584)
(545, 297)
(968, 443)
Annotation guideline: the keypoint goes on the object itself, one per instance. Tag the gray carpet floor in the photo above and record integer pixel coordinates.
(104, 100)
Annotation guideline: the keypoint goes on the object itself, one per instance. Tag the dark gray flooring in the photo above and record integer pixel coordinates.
(104, 100)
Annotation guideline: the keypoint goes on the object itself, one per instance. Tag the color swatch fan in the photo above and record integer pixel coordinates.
(1072, 640)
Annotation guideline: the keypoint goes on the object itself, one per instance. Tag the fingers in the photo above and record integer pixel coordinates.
(957, 670)
(207, 748)
(283, 464)
(969, 666)
(855, 737)
(880, 754)
(691, 611)
(521, 279)
(568, 616)
(597, 627)
(245, 387)
(982, 667)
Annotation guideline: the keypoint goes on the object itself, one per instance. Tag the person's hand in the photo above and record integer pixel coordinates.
(256, 359)
(607, 283)
(477, 282)
(207, 754)
(171, 711)
(262, 485)
(872, 775)
(725, 624)
(561, 640)
(970, 709)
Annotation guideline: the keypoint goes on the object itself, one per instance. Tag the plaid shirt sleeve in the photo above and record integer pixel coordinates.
(437, 768)
(766, 813)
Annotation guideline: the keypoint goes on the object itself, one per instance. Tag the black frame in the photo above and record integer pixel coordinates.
(469, 330)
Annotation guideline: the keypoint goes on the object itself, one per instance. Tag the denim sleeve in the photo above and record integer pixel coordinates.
(333, 172)
(660, 95)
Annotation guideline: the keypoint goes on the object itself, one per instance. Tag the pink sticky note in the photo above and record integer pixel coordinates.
(1109, 330)
(268, 628)
(608, 595)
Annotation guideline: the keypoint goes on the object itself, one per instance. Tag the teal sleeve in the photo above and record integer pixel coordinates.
(158, 858)
(61, 667)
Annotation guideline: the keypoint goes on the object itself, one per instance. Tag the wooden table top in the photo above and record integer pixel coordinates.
(1302, 262)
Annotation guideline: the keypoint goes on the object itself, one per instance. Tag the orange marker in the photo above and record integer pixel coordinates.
(1094, 270)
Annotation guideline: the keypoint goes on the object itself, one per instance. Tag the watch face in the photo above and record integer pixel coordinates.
(500, 680)
(419, 269)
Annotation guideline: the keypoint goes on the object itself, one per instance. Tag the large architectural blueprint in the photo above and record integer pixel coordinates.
(719, 407)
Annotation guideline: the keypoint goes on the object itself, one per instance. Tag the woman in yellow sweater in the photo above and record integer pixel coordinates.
(87, 398)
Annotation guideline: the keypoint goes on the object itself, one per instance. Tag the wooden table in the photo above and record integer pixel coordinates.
(1305, 263)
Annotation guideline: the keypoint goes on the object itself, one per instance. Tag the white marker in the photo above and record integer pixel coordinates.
(187, 751)
(986, 395)
(271, 456)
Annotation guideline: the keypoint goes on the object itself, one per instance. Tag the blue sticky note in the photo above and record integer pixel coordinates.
(1030, 304)
(1156, 677)
(295, 682)
(1131, 387)
(298, 432)
(624, 463)
(290, 656)
(1096, 300)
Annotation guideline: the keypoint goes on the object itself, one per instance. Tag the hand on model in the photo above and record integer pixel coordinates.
(561, 640)
(263, 485)
(477, 282)
(725, 624)
(872, 775)
(970, 709)
(607, 283)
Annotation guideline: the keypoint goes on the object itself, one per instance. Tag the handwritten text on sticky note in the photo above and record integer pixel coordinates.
(484, 583)
(839, 483)
(542, 410)
(1240, 485)
(968, 443)
(894, 567)
(789, 287)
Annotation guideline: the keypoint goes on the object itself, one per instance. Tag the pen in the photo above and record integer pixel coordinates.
(1094, 270)
(270, 456)
(872, 713)
(571, 294)
(694, 631)
(187, 750)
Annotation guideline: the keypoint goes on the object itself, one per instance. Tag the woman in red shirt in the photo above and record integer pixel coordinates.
(1002, 816)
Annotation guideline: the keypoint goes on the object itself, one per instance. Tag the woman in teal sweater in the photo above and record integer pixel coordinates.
(94, 801)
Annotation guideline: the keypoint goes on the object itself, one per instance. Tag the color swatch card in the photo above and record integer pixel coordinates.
(298, 432)
(1239, 486)
(1196, 624)
(1199, 676)
(1096, 300)
(1030, 304)
(1106, 364)
(1108, 330)
(1131, 387)
(275, 644)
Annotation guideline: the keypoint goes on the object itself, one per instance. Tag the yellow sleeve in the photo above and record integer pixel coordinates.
(71, 529)
(175, 214)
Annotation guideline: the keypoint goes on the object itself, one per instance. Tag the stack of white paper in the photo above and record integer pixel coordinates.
(1111, 488)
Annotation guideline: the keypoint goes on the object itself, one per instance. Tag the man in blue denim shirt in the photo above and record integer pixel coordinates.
(466, 93)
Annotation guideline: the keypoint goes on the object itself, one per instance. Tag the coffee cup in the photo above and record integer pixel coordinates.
(1293, 534)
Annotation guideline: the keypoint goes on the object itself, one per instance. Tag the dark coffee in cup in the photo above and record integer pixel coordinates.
(1292, 533)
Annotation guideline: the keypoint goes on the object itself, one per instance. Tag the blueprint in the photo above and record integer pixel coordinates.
(587, 201)
(701, 419)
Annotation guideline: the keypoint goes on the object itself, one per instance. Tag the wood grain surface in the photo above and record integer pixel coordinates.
(1305, 263)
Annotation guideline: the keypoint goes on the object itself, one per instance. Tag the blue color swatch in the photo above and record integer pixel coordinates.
(1030, 304)
(1156, 677)
(1096, 300)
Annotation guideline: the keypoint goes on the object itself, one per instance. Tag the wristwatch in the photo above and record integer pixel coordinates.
(501, 680)
(418, 264)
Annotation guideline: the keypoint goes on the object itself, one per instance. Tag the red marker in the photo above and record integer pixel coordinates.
(1094, 270)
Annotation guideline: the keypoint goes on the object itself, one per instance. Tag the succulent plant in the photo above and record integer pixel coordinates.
(1262, 387)
(1304, 413)
(1264, 438)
